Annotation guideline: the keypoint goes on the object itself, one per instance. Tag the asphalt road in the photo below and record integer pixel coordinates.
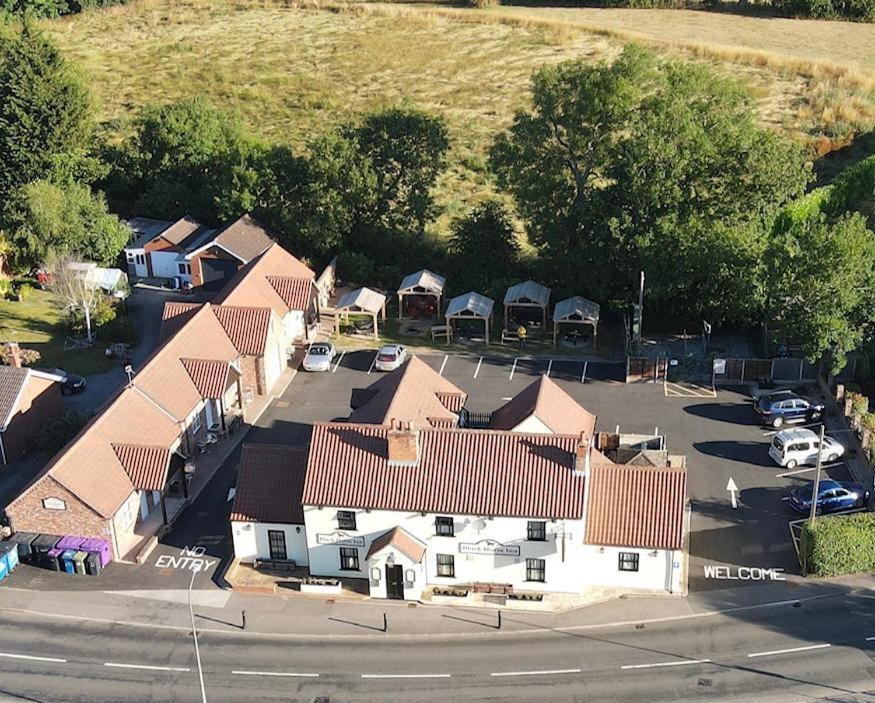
(777, 655)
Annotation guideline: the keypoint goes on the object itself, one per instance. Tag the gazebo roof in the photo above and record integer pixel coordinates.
(362, 298)
(576, 309)
(425, 279)
(527, 292)
(471, 305)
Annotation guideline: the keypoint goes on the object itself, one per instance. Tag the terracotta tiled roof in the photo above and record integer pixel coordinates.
(400, 539)
(636, 506)
(461, 472)
(250, 285)
(413, 393)
(246, 327)
(295, 292)
(174, 316)
(269, 484)
(209, 377)
(244, 238)
(12, 381)
(550, 404)
(145, 466)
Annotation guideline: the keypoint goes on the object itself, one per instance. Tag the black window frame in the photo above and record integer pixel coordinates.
(629, 562)
(534, 567)
(444, 526)
(449, 560)
(273, 548)
(345, 518)
(539, 534)
(350, 558)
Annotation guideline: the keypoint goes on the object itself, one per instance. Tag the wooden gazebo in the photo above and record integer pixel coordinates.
(361, 300)
(576, 310)
(471, 306)
(527, 295)
(421, 283)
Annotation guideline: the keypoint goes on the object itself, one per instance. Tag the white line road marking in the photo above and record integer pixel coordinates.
(807, 469)
(33, 658)
(144, 666)
(658, 664)
(373, 362)
(536, 673)
(406, 676)
(275, 673)
(870, 639)
(583, 375)
(337, 363)
(477, 370)
(507, 397)
(789, 651)
(443, 364)
(513, 368)
(549, 368)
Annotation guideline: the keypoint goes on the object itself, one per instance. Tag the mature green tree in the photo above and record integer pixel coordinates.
(407, 148)
(184, 158)
(484, 248)
(821, 283)
(46, 219)
(45, 112)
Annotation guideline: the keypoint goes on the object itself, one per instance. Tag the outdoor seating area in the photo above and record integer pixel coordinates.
(465, 313)
(526, 304)
(419, 295)
(579, 313)
(361, 301)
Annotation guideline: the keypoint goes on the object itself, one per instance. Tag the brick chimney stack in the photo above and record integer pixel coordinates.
(581, 455)
(14, 355)
(403, 444)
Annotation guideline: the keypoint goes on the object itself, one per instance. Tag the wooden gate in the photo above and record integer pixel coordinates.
(642, 369)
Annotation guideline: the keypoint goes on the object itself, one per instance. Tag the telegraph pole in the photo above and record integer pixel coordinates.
(816, 487)
(197, 651)
(640, 312)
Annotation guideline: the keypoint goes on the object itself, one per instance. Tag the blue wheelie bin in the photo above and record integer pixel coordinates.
(9, 552)
(66, 560)
(4, 570)
(24, 540)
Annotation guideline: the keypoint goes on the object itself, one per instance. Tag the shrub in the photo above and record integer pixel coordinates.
(104, 312)
(25, 291)
(28, 356)
(844, 544)
(55, 432)
(481, 4)
(447, 591)
(859, 403)
(5, 288)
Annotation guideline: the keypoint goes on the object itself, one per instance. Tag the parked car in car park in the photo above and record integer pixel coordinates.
(790, 448)
(832, 496)
(390, 357)
(778, 408)
(319, 356)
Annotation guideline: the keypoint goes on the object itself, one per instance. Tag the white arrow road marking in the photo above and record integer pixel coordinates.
(657, 664)
(275, 673)
(144, 666)
(733, 489)
(33, 658)
(536, 673)
(788, 651)
(231, 493)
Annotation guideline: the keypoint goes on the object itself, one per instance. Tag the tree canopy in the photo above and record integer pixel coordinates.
(484, 248)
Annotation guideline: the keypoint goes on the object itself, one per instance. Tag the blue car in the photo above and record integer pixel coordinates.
(831, 497)
(781, 407)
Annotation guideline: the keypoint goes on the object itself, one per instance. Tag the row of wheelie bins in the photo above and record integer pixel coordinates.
(70, 554)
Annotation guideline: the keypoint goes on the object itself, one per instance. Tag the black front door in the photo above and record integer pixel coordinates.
(394, 582)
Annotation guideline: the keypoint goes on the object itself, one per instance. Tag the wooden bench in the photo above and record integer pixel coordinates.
(442, 331)
(276, 564)
(509, 336)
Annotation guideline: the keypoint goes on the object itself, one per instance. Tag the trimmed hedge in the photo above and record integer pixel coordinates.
(843, 544)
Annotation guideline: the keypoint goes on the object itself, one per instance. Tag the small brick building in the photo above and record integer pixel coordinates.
(27, 398)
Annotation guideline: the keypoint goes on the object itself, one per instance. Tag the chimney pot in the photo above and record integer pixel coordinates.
(403, 445)
(581, 455)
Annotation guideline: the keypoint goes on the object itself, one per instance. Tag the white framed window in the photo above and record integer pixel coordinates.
(628, 561)
(54, 504)
(196, 423)
(446, 565)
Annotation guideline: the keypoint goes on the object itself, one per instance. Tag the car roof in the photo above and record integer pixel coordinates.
(390, 348)
(778, 395)
(797, 433)
(829, 484)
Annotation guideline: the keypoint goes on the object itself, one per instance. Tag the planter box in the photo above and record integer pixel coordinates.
(449, 600)
(328, 590)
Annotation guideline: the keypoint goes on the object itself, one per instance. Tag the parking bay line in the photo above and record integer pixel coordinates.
(373, 362)
(443, 364)
(807, 469)
(477, 370)
(583, 375)
(870, 639)
(513, 368)
(116, 665)
(276, 673)
(339, 359)
(661, 664)
(789, 651)
(549, 368)
(548, 672)
(32, 657)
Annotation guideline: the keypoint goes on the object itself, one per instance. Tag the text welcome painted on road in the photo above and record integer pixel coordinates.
(743, 573)
(190, 558)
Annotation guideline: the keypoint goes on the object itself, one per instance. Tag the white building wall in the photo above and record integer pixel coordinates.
(658, 569)
(251, 541)
(165, 264)
(532, 425)
(293, 325)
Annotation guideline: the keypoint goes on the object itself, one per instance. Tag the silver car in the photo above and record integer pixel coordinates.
(319, 356)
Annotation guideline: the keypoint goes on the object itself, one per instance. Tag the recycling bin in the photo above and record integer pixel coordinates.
(53, 560)
(41, 547)
(9, 552)
(79, 562)
(67, 561)
(24, 540)
(4, 570)
(92, 563)
(99, 547)
(70, 542)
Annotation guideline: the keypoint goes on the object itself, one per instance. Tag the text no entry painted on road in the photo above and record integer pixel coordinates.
(189, 558)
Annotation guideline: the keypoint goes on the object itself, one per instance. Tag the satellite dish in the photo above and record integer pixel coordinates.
(479, 525)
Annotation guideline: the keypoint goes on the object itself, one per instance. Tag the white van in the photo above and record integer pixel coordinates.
(799, 446)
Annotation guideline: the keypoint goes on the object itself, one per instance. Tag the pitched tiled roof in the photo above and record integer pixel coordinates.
(413, 393)
(459, 472)
(181, 230)
(400, 539)
(174, 316)
(209, 377)
(244, 238)
(269, 484)
(246, 327)
(250, 285)
(145, 466)
(636, 506)
(296, 292)
(550, 404)
(12, 381)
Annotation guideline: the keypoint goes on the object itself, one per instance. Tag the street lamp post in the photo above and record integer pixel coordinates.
(197, 651)
(816, 487)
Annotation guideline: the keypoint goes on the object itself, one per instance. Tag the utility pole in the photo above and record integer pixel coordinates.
(197, 651)
(816, 487)
(640, 312)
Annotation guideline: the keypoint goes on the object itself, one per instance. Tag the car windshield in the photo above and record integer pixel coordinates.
(318, 351)
(778, 443)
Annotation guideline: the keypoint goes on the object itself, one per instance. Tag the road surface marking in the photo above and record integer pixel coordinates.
(145, 666)
(406, 676)
(789, 651)
(583, 375)
(477, 370)
(870, 639)
(33, 658)
(549, 368)
(657, 664)
(809, 468)
(337, 363)
(535, 673)
(443, 364)
(231, 493)
(373, 362)
(275, 673)
(513, 368)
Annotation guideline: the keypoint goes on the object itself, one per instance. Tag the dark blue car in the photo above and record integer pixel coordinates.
(831, 497)
(782, 407)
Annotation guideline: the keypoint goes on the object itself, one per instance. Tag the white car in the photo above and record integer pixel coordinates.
(390, 357)
(799, 446)
(319, 356)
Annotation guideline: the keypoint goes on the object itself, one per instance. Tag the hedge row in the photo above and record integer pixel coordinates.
(844, 544)
(51, 8)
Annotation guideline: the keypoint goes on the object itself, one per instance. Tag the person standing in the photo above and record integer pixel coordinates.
(521, 333)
